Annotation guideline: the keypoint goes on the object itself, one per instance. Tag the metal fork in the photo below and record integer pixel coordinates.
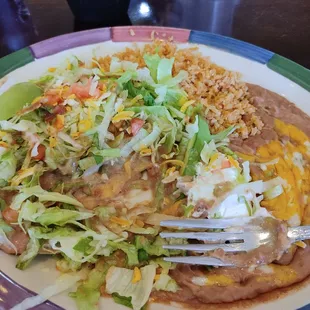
(239, 236)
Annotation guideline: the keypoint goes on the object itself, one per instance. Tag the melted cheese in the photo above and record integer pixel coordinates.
(219, 280)
(281, 275)
(291, 166)
(213, 279)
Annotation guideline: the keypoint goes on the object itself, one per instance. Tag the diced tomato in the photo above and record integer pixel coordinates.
(226, 164)
(51, 100)
(41, 152)
(10, 215)
(82, 91)
(60, 109)
(136, 125)
(49, 117)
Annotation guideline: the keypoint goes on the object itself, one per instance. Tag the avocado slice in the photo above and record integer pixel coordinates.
(16, 97)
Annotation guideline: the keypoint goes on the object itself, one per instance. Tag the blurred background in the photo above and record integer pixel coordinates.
(281, 26)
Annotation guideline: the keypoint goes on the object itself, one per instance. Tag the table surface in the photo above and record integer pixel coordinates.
(281, 26)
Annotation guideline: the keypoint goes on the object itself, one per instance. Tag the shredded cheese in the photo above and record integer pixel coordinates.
(123, 116)
(301, 244)
(120, 108)
(170, 170)
(186, 105)
(146, 152)
(22, 174)
(59, 122)
(119, 221)
(136, 277)
(52, 141)
(173, 162)
(135, 99)
(84, 125)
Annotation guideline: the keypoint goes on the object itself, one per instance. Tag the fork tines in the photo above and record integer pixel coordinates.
(237, 241)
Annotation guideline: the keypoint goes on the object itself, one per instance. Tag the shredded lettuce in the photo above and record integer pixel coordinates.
(166, 283)
(223, 134)
(121, 300)
(226, 150)
(49, 233)
(144, 76)
(55, 215)
(43, 80)
(119, 280)
(63, 283)
(149, 139)
(115, 65)
(102, 129)
(66, 264)
(155, 248)
(88, 293)
(192, 129)
(198, 142)
(182, 75)
(23, 126)
(105, 212)
(175, 112)
(29, 254)
(188, 210)
(87, 162)
(207, 151)
(79, 246)
(143, 231)
(4, 226)
(164, 120)
(128, 148)
(129, 249)
(143, 90)
(273, 192)
(3, 238)
(161, 73)
(43, 196)
(8, 163)
(126, 77)
(152, 62)
(246, 171)
(164, 70)
(99, 156)
(161, 92)
(29, 211)
(191, 157)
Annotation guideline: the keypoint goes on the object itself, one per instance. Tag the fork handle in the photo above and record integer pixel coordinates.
(298, 233)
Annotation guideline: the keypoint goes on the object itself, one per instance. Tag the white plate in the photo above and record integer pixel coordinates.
(42, 272)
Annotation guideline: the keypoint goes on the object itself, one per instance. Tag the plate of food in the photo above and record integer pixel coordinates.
(106, 133)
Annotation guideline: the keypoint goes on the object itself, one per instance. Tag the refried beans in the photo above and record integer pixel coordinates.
(199, 284)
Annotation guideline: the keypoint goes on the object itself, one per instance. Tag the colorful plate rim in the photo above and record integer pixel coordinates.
(9, 289)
